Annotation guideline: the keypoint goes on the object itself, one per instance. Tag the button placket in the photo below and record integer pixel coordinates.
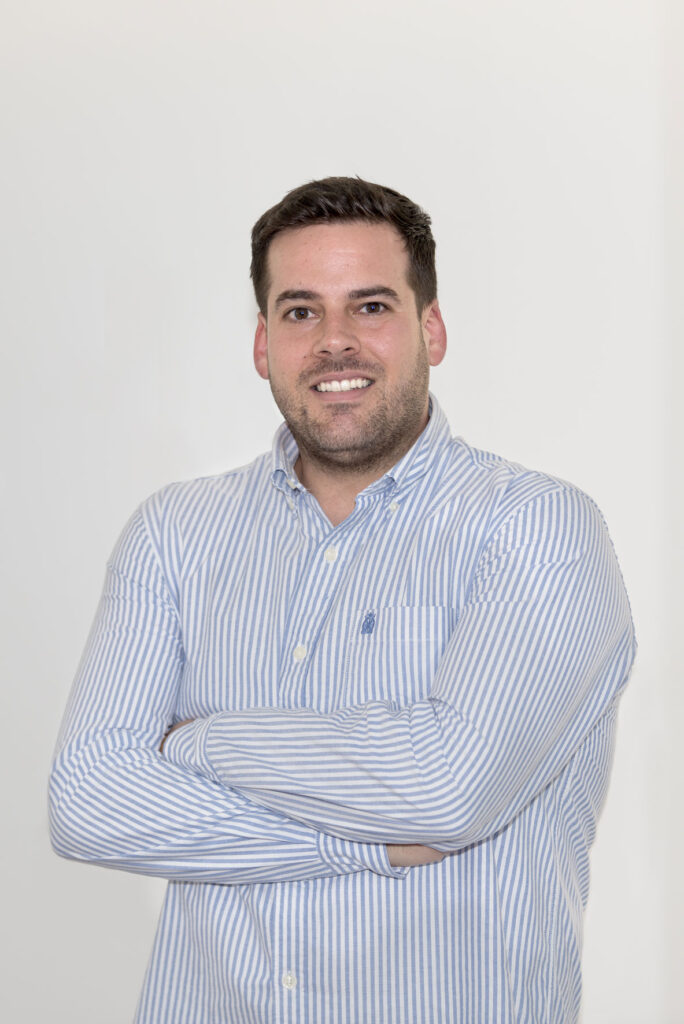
(306, 618)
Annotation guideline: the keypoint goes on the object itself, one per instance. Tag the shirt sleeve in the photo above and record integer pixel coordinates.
(116, 801)
(540, 652)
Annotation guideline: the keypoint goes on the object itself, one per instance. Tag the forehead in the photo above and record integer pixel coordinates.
(337, 257)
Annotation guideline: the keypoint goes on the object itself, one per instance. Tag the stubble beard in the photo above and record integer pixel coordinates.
(350, 443)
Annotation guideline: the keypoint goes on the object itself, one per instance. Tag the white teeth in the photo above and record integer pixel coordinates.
(343, 385)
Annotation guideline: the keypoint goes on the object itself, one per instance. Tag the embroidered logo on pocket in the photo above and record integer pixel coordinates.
(368, 624)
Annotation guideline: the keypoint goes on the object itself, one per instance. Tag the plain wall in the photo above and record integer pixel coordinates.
(140, 142)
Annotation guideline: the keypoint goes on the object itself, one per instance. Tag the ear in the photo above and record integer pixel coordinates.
(434, 333)
(261, 347)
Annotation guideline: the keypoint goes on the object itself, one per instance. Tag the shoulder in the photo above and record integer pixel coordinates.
(189, 504)
(183, 521)
(509, 485)
(497, 492)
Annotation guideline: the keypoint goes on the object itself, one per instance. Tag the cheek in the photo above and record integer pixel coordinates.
(396, 350)
(385, 343)
(286, 361)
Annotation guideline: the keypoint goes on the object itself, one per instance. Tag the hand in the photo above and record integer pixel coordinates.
(412, 855)
(186, 721)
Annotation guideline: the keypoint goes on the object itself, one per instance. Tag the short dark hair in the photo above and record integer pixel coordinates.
(349, 199)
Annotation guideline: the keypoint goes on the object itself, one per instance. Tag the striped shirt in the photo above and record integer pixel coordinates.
(443, 667)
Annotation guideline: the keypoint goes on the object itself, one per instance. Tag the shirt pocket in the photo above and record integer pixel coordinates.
(393, 652)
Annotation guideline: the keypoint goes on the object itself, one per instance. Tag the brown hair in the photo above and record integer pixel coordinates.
(349, 199)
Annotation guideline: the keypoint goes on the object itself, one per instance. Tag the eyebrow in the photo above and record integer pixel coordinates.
(358, 293)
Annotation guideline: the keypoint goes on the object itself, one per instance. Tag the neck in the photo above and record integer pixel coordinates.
(335, 485)
(335, 491)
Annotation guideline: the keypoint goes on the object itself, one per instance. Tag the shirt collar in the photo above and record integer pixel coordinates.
(283, 457)
(408, 469)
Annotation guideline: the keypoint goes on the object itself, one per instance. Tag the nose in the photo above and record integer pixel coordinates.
(336, 337)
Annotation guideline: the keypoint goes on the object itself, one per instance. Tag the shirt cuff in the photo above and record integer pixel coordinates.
(186, 747)
(349, 856)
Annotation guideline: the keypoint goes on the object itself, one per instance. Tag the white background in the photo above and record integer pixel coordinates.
(140, 142)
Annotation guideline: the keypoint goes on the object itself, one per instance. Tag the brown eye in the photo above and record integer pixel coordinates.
(299, 313)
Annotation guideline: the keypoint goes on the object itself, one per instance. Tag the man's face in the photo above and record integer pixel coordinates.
(344, 349)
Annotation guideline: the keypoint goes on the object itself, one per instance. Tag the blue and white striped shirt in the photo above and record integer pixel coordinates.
(443, 667)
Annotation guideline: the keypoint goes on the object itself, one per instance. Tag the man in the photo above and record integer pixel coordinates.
(382, 668)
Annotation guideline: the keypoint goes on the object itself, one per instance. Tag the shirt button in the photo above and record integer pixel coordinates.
(289, 980)
(299, 652)
(394, 505)
(330, 554)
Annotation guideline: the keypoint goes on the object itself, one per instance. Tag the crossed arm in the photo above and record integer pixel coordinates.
(540, 652)
(541, 649)
(406, 855)
(117, 801)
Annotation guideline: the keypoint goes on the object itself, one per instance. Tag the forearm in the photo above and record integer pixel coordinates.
(371, 774)
(398, 855)
(133, 810)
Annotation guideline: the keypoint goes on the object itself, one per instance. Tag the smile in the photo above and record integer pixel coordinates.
(343, 385)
